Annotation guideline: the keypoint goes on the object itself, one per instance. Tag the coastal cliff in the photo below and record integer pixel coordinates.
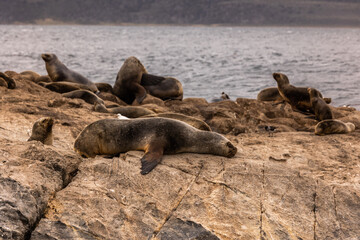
(291, 184)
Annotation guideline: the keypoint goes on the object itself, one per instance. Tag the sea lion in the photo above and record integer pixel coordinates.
(297, 97)
(320, 108)
(86, 95)
(331, 126)
(269, 94)
(3, 83)
(58, 72)
(30, 76)
(64, 87)
(43, 78)
(155, 136)
(10, 83)
(165, 88)
(127, 111)
(42, 131)
(111, 97)
(104, 87)
(196, 123)
(127, 85)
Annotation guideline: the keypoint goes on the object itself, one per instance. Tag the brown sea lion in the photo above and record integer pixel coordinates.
(43, 78)
(269, 94)
(128, 81)
(321, 110)
(331, 126)
(165, 88)
(127, 111)
(297, 97)
(104, 87)
(64, 87)
(42, 131)
(196, 123)
(30, 75)
(111, 97)
(3, 83)
(10, 83)
(156, 136)
(58, 72)
(86, 95)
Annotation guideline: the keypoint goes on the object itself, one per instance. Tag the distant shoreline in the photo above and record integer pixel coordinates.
(59, 23)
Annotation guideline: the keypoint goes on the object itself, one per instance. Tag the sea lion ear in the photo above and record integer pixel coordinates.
(152, 157)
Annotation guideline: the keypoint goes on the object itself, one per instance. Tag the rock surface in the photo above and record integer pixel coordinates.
(288, 185)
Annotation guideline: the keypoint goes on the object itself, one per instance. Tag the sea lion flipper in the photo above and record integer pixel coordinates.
(151, 158)
(140, 93)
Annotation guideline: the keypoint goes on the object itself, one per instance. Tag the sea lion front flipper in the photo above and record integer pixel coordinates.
(140, 93)
(152, 157)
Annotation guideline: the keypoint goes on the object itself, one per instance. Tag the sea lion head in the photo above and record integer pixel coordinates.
(231, 149)
(314, 93)
(49, 57)
(281, 78)
(42, 130)
(350, 126)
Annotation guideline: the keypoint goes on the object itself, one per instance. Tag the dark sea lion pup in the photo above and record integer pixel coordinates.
(58, 72)
(320, 108)
(42, 131)
(332, 126)
(128, 81)
(155, 136)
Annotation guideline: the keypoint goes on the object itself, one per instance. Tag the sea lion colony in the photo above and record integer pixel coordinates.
(153, 133)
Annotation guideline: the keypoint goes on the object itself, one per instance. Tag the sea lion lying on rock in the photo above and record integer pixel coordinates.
(42, 131)
(297, 97)
(165, 88)
(331, 126)
(64, 87)
(7, 81)
(86, 95)
(319, 107)
(196, 123)
(269, 94)
(156, 136)
(104, 87)
(58, 72)
(127, 111)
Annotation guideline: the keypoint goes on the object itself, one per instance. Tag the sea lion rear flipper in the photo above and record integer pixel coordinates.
(151, 158)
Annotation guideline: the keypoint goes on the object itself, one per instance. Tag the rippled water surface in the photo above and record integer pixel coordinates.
(207, 60)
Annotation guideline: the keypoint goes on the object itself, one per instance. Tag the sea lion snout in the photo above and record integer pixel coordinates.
(232, 149)
(276, 76)
(46, 56)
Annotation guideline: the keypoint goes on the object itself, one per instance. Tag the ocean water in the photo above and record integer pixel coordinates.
(207, 60)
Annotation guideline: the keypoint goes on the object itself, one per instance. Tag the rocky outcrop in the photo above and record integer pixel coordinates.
(288, 185)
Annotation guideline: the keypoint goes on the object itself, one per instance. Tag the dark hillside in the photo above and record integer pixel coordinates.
(232, 12)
